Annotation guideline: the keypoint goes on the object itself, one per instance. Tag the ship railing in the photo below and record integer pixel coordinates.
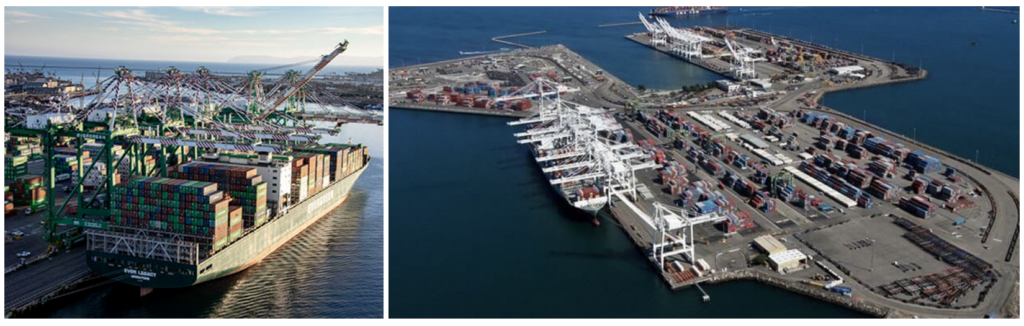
(143, 245)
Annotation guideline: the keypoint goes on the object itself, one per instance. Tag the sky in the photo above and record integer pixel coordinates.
(204, 34)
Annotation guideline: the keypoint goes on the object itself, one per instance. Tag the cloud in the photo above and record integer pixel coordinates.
(15, 21)
(227, 11)
(142, 18)
(22, 14)
(372, 30)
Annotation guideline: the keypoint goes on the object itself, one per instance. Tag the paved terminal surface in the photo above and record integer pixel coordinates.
(33, 281)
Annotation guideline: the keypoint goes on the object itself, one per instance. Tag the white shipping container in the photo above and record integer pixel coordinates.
(100, 115)
(303, 189)
(41, 121)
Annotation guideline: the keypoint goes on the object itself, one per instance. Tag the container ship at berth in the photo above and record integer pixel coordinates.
(208, 177)
(585, 154)
(688, 11)
(219, 215)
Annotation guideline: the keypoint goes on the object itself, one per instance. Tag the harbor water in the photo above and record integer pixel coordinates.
(968, 105)
(481, 235)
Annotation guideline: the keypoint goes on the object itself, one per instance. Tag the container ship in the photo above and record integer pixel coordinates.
(687, 11)
(219, 214)
(585, 154)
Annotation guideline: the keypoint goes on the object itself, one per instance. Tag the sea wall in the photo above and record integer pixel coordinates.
(801, 288)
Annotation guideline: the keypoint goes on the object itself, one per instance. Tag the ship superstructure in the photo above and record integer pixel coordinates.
(688, 10)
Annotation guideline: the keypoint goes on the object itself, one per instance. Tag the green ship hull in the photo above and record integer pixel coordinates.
(249, 250)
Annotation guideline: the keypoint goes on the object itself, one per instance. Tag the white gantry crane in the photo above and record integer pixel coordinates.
(685, 43)
(657, 35)
(743, 64)
(673, 233)
(572, 135)
(541, 89)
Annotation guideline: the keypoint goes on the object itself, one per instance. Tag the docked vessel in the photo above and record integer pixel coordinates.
(585, 154)
(687, 10)
(147, 248)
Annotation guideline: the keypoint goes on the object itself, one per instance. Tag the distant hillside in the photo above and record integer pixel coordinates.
(341, 60)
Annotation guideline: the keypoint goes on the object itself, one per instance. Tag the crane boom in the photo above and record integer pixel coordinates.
(317, 131)
(249, 135)
(203, 144)
(305, 79)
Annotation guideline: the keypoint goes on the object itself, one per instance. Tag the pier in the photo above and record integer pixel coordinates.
(618, 24)
(501, 39)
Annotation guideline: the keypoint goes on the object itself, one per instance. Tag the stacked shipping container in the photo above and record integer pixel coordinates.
(28, 191)
(194, 208)
(247, 190)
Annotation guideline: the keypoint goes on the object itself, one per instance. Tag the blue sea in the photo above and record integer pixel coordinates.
(970, 102)
(86, 71)
(477, 234)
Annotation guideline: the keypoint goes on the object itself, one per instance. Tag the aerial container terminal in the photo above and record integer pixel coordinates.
(182, 178)
(750, 176)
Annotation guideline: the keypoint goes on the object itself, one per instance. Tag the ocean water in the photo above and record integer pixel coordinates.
(478, 234)
(86, 72)
(334, 269)
(968, 104)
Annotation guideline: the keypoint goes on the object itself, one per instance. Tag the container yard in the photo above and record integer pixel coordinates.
(505, 84)
(185, 192)
(715, 169)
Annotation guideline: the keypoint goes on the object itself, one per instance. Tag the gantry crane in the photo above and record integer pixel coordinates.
(180, 115)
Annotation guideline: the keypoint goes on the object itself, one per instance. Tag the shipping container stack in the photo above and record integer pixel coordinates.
(785, 190)
(15, 166)
(923, 163)
(586, 193)
(865, 201)
(125, 168)
(333, 159)
(673, 175)
(69, 163)
(300, 179)
(246, 189)
(25, 146)
(858, 177)
(947, 193)
(883, 190)
(196, 209)
(738, 221)
(763, 202)
(8, 202)
(918, 206)
(28, 191)
(236, 224)
(920, 184)
(95, 177)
